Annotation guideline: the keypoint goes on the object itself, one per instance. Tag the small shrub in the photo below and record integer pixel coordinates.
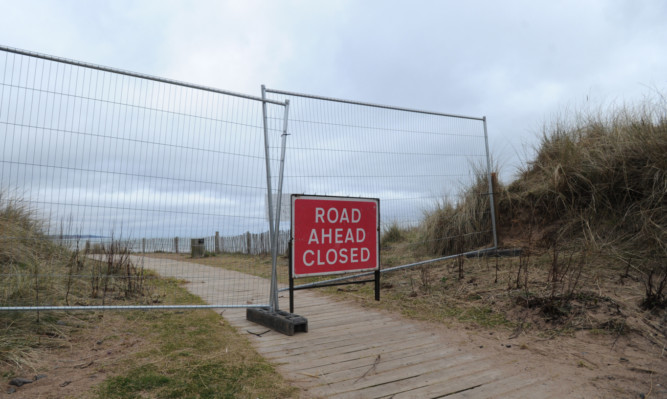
(392, 234)
(655, 283)
(425, 277)
(453, 228)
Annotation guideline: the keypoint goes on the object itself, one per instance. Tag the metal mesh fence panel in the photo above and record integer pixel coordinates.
(108, 179)
(421, 165)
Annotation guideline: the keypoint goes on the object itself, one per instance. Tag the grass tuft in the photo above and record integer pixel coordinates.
(453, 228)
(392, 234)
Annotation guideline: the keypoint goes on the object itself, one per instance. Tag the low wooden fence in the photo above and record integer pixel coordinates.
(247, 243)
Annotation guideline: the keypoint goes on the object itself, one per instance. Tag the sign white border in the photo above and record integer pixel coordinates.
(336, 198)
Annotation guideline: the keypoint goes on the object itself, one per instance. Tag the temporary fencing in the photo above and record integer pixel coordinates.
(125, 170)
(416, 162)
(101, 154)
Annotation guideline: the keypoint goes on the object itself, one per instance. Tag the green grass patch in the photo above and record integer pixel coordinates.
(143, 379)
(194, 354)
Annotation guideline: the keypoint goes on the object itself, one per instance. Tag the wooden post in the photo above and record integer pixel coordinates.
(143, 245)
(248, 242)
(494, 187)
(176, 244)
(217, 242)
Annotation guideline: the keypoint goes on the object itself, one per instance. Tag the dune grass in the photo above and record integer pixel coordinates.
(598, 183)
(609, 170)
(453, 228)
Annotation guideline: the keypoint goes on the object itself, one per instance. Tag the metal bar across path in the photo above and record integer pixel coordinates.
(390, 269)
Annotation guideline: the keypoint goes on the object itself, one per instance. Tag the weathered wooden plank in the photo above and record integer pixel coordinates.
(351, 351)
(384, 364)
(335, 338)
(345, 361)
(419, 383)
(332, 313)
(449, 385)
(505, 386)
(411, 376)
(360, 329)
(343, 340)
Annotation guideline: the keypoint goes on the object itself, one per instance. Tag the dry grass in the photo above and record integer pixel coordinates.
(36, 271)
(453, 228)
(597, 185)
(610, 170)
(24, 249)
(602, 181)
(392, 234)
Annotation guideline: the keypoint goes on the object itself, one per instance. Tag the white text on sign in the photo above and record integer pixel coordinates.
(337, 236)
(334, 234)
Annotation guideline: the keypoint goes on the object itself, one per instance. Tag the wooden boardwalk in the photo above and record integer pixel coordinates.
(355, 352)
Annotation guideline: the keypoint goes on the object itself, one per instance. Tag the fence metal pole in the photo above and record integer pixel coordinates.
(269, 191)
(496, 185)
(276, 229)
(488, 175)
(365, 104)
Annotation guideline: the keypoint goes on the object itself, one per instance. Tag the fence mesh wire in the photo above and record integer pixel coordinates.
(417, 163)
(118, 167)
(109, 178)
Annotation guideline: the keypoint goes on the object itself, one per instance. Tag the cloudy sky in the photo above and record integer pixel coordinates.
(519, 63)
(516, 62)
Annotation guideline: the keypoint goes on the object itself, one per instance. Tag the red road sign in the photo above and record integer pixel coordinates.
(334, 235)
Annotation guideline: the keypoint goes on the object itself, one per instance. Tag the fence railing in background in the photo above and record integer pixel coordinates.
(247, 243)
(93, 151)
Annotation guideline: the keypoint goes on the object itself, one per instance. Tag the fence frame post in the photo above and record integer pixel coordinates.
(274, 220)
(276, 229)
(489, 178)
(494, 188)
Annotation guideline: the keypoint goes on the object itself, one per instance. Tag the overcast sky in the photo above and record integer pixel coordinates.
(518, 63)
